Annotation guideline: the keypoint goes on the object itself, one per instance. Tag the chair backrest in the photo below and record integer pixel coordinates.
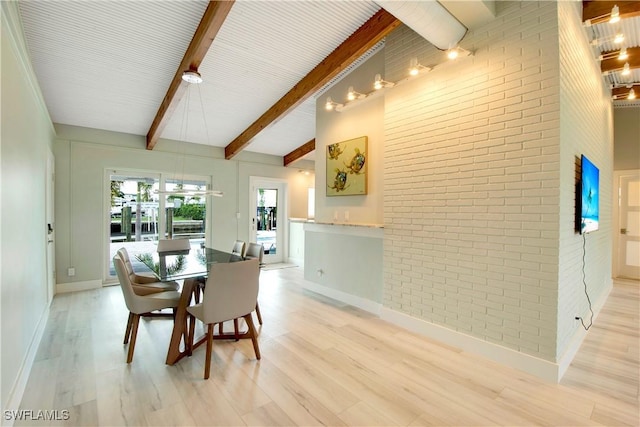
(231, 290)
(255, 251)
(125, 281)
(173, 245)
(124, 256)
(238, 248)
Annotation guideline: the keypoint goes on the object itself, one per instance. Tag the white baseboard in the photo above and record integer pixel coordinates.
(505, 356)
(17, 391)
(78, 286)
(297, 261)
(361, 303)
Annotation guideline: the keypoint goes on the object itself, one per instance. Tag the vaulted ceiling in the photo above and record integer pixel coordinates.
(610, 38)
(118, 65)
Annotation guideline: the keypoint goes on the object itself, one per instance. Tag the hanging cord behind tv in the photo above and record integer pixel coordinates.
(584, 282)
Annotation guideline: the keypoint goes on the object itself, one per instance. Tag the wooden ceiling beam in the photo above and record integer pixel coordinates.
(621, 93)
(596, 12)
(614, 64)
(299, 152)
(210, 24)
(370, 33)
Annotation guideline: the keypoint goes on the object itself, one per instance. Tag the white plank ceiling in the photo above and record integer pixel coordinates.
(108, 64)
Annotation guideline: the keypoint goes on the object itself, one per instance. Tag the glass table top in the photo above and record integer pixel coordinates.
(178, 265)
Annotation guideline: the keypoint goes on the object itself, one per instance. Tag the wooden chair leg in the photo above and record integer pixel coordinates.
(252, 332)
(192, 328)
(134, 334)
(236, 331)
(196, 293)
(128, 331)
(258, 313)
(207, 363)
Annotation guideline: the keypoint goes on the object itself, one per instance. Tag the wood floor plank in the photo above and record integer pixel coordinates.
(361, 414)
(268, 415)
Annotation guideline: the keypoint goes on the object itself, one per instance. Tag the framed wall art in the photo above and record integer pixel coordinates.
(347, 167)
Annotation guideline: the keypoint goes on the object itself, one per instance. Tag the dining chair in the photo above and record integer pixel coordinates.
(231, 292)
(238, 248)
(256, 251)
(142, 284)
(174, 245)
(140, 304)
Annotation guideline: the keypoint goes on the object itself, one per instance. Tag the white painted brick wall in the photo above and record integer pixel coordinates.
(472, 181)
(586, 128)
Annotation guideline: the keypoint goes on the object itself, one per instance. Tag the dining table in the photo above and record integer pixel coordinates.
(192, 267)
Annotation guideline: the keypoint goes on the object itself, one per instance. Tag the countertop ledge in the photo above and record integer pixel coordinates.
(341, 224)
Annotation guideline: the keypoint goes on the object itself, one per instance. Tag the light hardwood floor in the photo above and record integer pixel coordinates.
(323, 363)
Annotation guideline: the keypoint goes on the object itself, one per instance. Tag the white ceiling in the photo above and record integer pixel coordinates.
(605, 33)
(108, 64)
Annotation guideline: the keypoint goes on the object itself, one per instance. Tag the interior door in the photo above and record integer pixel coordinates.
(267, 226)
(50, 227)
(629, 220)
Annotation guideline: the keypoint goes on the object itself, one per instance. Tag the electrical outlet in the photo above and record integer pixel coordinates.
(320, 272)
(71, 271)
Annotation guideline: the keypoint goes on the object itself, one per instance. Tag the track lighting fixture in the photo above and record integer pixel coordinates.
(331, 105)
(628, 96)
(632, 94)
(617, 39)
(457, 51)
(415, 67)
(615, 15)
(353, 95)
(621, 55)
(379, 83)
(626, 70)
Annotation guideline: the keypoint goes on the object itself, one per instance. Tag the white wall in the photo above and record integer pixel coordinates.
(343, 257)
(480, 183)
(586, 127)
(345, 261)
(626, 135)
(83, 155)
(364, 118)
(472, 175)
(27, 137)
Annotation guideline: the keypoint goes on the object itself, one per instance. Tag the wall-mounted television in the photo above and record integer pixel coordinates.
(589, 196)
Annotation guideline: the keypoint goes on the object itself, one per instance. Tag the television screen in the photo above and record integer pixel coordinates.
(590, 209)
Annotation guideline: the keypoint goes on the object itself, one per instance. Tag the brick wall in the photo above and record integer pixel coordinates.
(586, 125)
(472, 181)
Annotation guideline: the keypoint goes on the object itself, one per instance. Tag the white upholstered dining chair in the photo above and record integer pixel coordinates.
(231, 292)
(143, 284)
(255, 251)
(140, 304)
(238, 248)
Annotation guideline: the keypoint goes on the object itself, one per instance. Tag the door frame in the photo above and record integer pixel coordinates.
(617, 175)
(162, 177)
(50, 225)
(281, 217)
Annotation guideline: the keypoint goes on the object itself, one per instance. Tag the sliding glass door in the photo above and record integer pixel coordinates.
(144, 207)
